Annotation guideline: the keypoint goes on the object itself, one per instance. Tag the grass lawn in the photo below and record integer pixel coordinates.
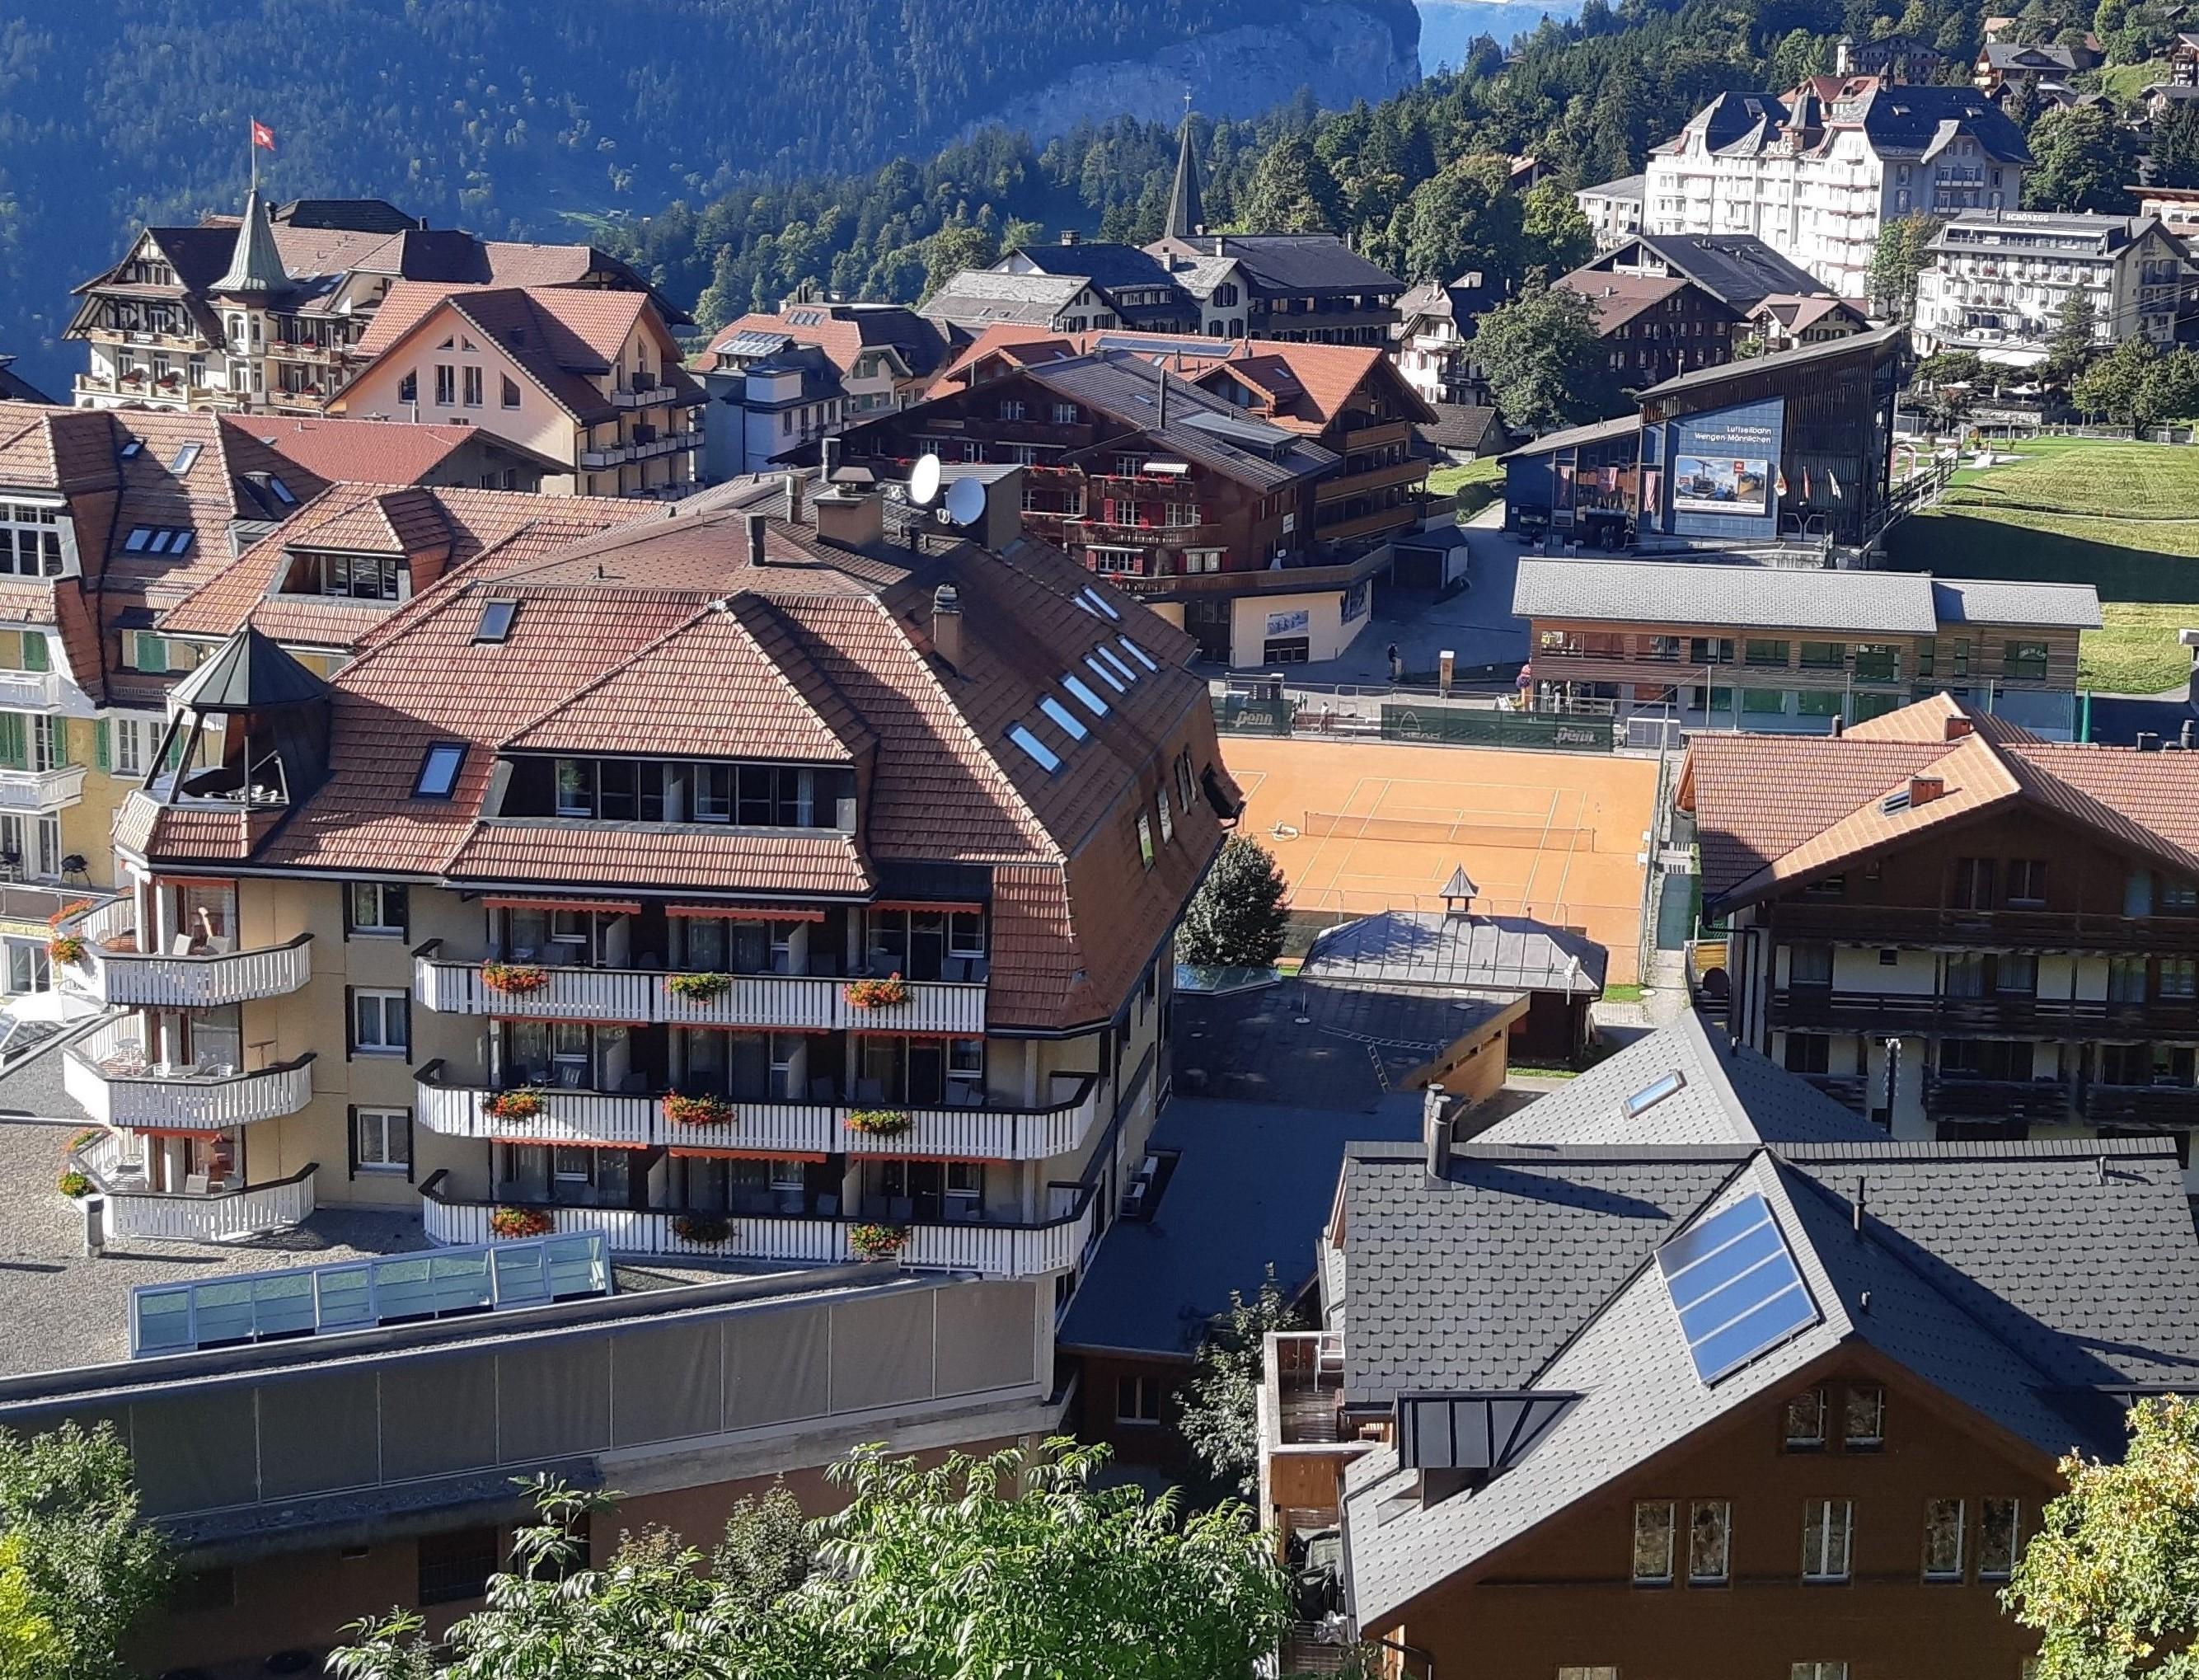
(2124, 83)
(1621, 993)
(1470, 487)
(2136, 651)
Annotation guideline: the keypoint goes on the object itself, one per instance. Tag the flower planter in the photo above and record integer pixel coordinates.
(879, 1121)
(73, 1183)
(513, 978)
(66, 948)
(698, 987)
(514, 1104)
(697, 1111)
(876, 1242)
(703, 1228)
(514, 1222)
(876, 993)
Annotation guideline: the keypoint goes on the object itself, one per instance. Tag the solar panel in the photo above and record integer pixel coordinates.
(1736, 1286)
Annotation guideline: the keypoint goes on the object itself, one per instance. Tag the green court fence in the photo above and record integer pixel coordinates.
(1250, 714)
(1460, 726)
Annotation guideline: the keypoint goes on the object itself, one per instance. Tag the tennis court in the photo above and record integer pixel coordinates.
(1360, 827)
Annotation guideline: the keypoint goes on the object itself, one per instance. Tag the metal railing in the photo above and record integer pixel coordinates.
(105, 1073)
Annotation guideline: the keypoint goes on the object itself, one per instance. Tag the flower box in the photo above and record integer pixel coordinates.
(876, 993)
(698, 987)
(515, 978)
(74, 1182)
(683, 1111)
(521, 1104)
(518, 1222)
(879, 1121)
(706, 1228)
(876, 1242)
(66, 948)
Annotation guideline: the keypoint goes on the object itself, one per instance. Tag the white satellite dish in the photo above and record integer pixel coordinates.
(923, 481)
(966, 501)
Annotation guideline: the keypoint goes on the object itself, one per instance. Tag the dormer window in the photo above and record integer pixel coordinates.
(354, 577)
(662, 790)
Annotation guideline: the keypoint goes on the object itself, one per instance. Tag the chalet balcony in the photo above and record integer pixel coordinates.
(2140, 1105)
(671, 443)
(131, 1209)
(30, 691)
(2034, 930)
(1382, 520)
(41, 790)
(637, 395)
(455, 1108)
(996, 1248)
(1348, 483)
(113, 971)
(108, 1074)
(642, 997)
(2004, 1015)
(1364, 431)
(2035, 1102)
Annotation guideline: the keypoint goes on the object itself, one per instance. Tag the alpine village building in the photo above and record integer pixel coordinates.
(1959, 929)
(266, 311)
(777, 879)
(1686, 1358)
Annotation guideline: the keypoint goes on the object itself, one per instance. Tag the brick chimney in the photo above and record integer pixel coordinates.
(1958, 725)
(1923, 790)
(849, 515)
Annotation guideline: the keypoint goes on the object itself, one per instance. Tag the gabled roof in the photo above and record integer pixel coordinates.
(1737, 269)
(1626, 187)
(375, 451)
(1893, 338)
(1772, 812)
(978, 297)
(1107, 265)
(1300, 264)
(1432, 950)
(1614, 299)
(842, 330)
(1685, 592)
(2027, 1282)
(14, 388)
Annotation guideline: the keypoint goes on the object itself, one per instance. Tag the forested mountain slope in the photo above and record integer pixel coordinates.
(498, 115)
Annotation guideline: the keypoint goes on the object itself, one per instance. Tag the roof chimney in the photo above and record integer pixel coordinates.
(1435, 1130)
(947, 624)
(849, 514)
(1071, 237)
(1959, 726)
(794, 499)
(755, 523)
(829, 453)
(1923, 790)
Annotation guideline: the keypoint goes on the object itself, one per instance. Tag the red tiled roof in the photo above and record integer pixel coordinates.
(360, 452)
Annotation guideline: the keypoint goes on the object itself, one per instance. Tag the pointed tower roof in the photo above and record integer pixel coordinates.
(248, 673)
(255, 268)
(1187, 213)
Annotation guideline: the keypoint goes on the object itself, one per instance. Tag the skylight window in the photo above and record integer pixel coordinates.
(1735, 1287)
(1084, 697)
(158, 539)
(1895, 803)
(1652, 1094)
(1099, 603)
(1037, 750)
(496, 620)
(1062, 716)
(1105, 675)
(1120, 664)
(187, 458)
(282, 490)
(1136, 653)
(130, 450)
(439, 770)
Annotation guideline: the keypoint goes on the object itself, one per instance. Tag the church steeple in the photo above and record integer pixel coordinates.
(255, 266)
(1187, 214)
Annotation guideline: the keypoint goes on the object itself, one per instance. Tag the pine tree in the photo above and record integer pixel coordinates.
(1237, 919)
(2071, 348)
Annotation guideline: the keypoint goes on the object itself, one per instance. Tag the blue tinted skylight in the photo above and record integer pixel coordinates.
(1735, 1287)
(1037, 750)
(1062, 716)
(1085, 697)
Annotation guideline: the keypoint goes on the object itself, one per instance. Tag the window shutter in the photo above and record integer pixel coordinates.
(350, 1135)
(408, 1145)
(405, 923)
(15, 752)
(343, 892)
(36, 655)
(61, 738)
(351, 1033)
(102, 750)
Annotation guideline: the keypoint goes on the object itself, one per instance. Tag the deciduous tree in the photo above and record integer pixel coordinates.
(2084, 159)
(1558, 237)
(1545, 365)
(1217, 1413)
(1903, 253)
(78, 1567)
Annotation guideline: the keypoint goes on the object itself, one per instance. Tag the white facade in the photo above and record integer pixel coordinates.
(1997, 284)
(1613, 210)
(1819, 191)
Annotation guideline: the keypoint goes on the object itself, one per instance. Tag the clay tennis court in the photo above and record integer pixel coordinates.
(1361, 827)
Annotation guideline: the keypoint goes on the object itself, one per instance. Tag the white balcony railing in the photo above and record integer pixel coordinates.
(108, 1075)
(1000, 1251)
(111, 970)
(554, 1116)
(640, 997)
(41, 790)
(30, 691)
(249, 1212)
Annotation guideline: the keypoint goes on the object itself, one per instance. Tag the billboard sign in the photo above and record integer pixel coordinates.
(1295, 623)
(1736, 484)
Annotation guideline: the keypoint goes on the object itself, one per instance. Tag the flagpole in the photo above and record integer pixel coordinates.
(252, 151)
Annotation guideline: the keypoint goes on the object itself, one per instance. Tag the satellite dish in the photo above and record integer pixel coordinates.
(923, 481)
(966, 501)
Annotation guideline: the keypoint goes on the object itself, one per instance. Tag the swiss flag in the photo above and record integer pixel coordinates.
(262, 136)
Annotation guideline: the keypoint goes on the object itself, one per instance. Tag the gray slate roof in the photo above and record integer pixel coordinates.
(1498, 953)
(978, 298)
(1253, 1186)
(2026, 1280)
(1737, 268)
(1626, 187)
(1684, 593)
(2067, 606)
(1756, 366)
(1200, 426)
(1305, 265)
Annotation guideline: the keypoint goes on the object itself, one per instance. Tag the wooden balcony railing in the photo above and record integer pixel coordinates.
(2012, 1014)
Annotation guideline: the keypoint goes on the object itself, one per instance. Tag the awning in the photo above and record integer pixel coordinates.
(741, 913)
(608, 906)
(928, 906)
(687, 1153)
(569, 1143)
(911, 1032)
